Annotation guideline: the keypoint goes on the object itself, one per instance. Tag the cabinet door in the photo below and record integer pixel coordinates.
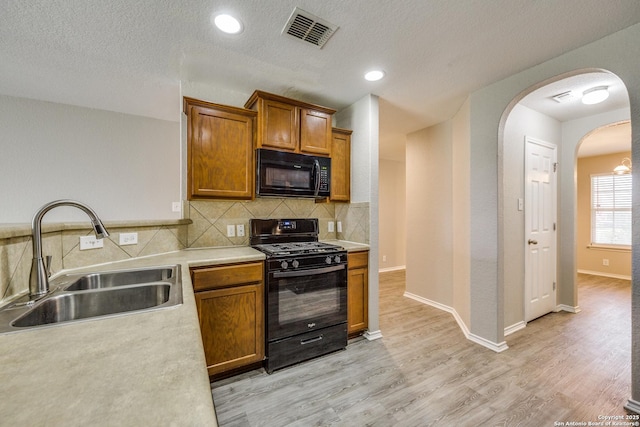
(315, 132)
(278, 125)
(220, 154)
(358, 293)
(232, 326)
(341, 166)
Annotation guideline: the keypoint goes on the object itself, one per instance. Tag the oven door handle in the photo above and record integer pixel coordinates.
(310, 272)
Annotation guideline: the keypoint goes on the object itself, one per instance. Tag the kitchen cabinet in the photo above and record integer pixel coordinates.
(357, 292)
(290, 125)
(340, 165)
(230, 304)
(220, 155)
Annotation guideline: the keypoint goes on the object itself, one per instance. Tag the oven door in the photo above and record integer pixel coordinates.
(300, 301)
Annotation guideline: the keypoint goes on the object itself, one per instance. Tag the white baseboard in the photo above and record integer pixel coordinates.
(497, 347)
(373, 335)
(397, 268)
(515, 328)
(600, 273)
(568, 308)
(633, 406)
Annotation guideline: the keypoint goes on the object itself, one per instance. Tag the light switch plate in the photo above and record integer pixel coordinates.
(331, 225)
(339, 226)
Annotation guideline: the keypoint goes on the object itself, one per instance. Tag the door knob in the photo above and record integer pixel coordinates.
(532, 242)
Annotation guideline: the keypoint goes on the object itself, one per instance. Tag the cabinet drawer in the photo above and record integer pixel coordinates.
(226, 275)
(358, 259)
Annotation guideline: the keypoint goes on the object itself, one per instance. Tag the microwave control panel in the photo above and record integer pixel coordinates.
(324, 178)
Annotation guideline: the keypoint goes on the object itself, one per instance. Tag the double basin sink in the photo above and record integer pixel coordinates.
(83, 296)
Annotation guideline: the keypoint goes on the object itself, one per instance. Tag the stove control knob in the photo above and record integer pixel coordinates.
(295, 263)
(328, 260)
(337, 258)
(284, 265)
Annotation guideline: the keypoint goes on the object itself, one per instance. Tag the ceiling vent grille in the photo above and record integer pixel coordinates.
(563, 97)
(307, 27)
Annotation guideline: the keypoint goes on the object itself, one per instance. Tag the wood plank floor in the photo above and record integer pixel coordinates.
(562, 367)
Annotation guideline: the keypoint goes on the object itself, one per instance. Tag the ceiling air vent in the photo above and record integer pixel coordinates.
(563, 97)
(307, 27)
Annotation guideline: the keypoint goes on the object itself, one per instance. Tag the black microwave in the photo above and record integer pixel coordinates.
(284, 174)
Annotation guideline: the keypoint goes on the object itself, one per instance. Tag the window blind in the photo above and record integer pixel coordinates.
(611, 209)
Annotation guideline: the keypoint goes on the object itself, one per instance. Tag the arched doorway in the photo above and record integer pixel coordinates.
(536, 113)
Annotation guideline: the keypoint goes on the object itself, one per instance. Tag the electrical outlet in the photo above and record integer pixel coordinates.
(331, 226)
(384, 258)
(90, 242)
(339, 226)
(605, 262)
(240, 230)
(128, 239)
(176, 207)
(231, 230)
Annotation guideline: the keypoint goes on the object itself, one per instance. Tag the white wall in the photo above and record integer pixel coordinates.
(461, 187)
(123, 166)
(429, 213)
(393, 223)
(438, 220)
(363, 118)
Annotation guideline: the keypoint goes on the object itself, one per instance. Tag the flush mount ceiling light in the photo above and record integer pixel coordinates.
(623, 167)
(374, 75)
(595, 95)
(228, 24)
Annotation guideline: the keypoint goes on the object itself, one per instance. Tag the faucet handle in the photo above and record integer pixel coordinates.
(47, 264)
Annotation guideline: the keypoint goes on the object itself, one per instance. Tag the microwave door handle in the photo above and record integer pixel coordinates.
(316, 166)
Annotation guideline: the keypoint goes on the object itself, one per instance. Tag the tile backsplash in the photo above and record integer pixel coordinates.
(207, 227)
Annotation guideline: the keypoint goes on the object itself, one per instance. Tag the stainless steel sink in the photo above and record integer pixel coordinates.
(84, 296)
(121, 278)
(68, 307)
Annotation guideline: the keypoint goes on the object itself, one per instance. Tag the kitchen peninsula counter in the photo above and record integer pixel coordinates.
(145, 368)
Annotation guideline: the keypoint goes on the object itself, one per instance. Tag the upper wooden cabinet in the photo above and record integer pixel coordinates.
(220, 155)
(290, 125)
(341, 165)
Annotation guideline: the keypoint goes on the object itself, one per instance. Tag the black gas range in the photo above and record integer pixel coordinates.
(306, 290)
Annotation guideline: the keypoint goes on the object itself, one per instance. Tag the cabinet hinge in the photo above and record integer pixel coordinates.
(554, 286)
(554, 226)
(555, 166)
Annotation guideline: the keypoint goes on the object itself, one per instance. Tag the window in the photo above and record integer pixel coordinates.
(611, 209)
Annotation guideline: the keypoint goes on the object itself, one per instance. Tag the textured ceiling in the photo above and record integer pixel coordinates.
(131, 56)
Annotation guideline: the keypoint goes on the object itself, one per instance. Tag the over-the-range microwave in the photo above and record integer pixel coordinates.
(284, 174)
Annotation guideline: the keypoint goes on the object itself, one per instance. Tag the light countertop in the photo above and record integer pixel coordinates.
(144, 368)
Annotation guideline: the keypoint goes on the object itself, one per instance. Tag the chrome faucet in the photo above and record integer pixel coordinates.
(39, 277)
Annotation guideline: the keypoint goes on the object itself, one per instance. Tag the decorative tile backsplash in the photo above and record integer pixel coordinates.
(208, 227)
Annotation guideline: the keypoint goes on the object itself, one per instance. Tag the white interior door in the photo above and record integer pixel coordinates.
(540, 227)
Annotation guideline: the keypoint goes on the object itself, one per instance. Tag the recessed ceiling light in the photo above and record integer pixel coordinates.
(595, 95)
(374, 75)
(228, 24)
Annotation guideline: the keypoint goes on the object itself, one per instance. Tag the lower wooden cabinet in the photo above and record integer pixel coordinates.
(230, 303)
(357, 292)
